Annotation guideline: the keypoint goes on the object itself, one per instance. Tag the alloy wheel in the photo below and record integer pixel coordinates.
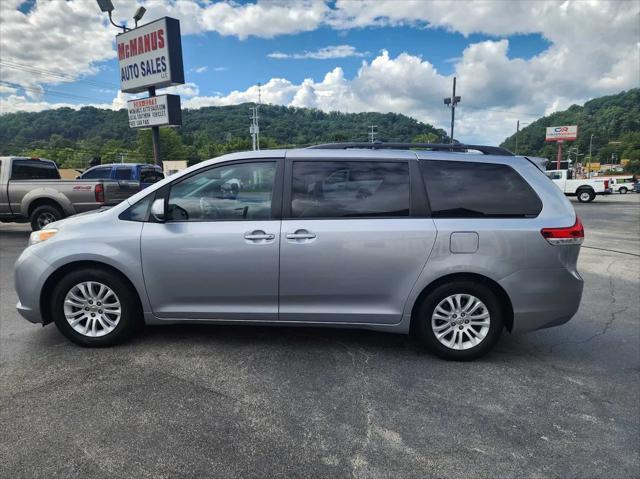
(460, 321)
(92, 309)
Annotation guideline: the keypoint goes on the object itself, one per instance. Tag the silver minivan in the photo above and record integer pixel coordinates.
(451, 243)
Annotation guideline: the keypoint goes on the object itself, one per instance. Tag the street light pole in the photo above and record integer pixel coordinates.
(517, 131)
(452, 102)
(107, 6)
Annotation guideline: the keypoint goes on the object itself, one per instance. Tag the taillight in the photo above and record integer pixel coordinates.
(606, 184)
(565, 236)
(99, 193)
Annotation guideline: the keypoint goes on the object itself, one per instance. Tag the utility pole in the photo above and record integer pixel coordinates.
(517, 131)
(590, 149)
(258, 106)
(254, 129)
(451, 102)
(372, 133)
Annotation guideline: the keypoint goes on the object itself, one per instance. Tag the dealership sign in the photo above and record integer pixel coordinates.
(561, 133)
(162, 110)
(150, 56)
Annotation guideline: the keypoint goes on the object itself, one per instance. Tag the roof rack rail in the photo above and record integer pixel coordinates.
(376, 145)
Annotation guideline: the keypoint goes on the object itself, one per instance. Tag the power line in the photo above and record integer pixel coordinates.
(51, 73)
(50, 92)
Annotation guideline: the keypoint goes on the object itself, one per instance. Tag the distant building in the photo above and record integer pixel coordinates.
(173, 166)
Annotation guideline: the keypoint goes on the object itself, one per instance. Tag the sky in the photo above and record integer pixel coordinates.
(514, 60)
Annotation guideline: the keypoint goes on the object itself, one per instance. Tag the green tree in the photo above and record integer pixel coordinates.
(633, 167)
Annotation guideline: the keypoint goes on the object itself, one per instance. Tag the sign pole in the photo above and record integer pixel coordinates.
(155, 135)
(559, 158)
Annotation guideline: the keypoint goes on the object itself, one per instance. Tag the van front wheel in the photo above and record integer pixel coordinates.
(460, 321)
(95, 308)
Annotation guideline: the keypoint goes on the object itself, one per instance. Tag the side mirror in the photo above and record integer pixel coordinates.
(78, 177)
(157, 210)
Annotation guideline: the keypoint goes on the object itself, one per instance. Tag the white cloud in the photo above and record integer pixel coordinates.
(265, 19)
(593, 50)
(50, 44)
(201, 69)
(325, 53)
(7, 90)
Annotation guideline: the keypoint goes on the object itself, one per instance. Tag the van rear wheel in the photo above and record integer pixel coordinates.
(460, 321)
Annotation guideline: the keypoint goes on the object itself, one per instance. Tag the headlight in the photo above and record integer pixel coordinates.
(42, 235)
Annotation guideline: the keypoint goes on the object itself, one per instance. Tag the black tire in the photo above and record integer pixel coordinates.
(130, 316)
(43, 215)
(623, 190)
(422, 326)
(586, 195)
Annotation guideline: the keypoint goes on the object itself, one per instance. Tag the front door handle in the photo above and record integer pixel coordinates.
(300, 235)
(259, 235)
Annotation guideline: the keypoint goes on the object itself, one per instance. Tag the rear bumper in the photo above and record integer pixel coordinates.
(543, 298)
(30, 274)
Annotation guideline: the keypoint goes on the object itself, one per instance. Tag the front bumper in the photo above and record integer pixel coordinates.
(542, 298)
(31, 272)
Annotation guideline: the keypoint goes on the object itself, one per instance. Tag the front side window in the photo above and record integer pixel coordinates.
(239, 191)
(342, 189)
(97, 174)
(461, 189)
(34, 170)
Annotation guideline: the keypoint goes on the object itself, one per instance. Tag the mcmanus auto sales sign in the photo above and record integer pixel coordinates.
(150, 55)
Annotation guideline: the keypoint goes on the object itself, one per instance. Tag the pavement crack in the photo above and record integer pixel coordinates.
(359, 461)
(613, 315)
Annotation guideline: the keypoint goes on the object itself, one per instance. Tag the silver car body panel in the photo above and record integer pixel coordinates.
(365, 273)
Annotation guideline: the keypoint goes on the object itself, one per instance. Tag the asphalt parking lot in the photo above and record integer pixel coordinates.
(214, 401)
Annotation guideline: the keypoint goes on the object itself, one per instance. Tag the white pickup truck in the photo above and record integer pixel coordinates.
(585, 190)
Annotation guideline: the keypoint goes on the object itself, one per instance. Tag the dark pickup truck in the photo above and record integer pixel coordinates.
(143, 173)
(31, 190)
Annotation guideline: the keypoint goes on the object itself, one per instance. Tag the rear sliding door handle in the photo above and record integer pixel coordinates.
(300, 235)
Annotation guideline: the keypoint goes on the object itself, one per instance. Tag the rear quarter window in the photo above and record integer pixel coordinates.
(461, 189)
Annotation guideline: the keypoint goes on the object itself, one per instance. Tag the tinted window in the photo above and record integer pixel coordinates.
(97, 174)
(458, 189)
(233, 192)
(123, 173)
(34, 170)
(150, 175)
(338, 189)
